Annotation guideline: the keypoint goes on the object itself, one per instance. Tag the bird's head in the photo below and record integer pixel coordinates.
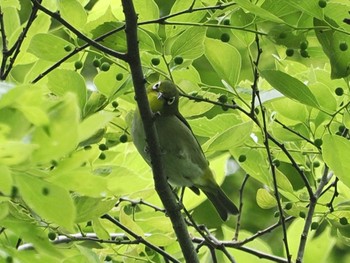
(163, 97)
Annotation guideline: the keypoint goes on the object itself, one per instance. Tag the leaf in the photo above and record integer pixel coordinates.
(210, 127)
(258, 11)
(89, 208)
(310, 7)
(290, 87)
(15, 153)
(5, 180)
(230, 138)
(60, 137)
(335, 151)
(225, 60)
(330, 41)
(190, 44)
(89, 126)
(62, 81)
(128, 222)
(43, 197)
(265, 199)
(147, 10)
(49, 47)
(73, 12)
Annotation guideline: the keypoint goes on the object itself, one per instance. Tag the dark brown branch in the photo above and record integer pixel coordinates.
(172, 207)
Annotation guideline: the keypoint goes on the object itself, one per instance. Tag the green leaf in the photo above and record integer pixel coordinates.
(330, 41)
(49, 47)
(43, 197)
(147, 10)
(89, 126)
(258, 11)
(62, 81)
(89, 208)
(73, 12)
(128, 222)
(61, 136)
(265, 199)
(5, 180)
(210, 127)
(290, 87)
(15, 153)
(309, 7)
(335, 151)
(225, 60)
(230, 138)
(31, 233)
(190, 44)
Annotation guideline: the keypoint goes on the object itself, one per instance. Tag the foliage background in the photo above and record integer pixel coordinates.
(274, 126)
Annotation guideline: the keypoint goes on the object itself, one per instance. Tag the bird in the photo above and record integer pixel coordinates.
(184, 161)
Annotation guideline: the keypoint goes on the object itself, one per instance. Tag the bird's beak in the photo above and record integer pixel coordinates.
(160, 95)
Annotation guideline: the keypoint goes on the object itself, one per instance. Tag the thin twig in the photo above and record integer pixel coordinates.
(238, 224)
(139, 238)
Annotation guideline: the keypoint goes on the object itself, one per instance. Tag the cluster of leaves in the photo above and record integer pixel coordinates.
(267, 94)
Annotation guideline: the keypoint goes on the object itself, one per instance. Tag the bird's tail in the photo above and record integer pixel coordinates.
(221, 202)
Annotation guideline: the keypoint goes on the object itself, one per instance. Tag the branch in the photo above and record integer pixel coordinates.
(161, 184)
(88, 40)
(312, 205)
(15, 49)
(268, 151)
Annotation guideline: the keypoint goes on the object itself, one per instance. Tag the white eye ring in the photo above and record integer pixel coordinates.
(156, 86)
(171, 100)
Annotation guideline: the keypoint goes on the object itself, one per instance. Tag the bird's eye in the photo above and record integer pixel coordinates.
(156, 86)
(171, 100)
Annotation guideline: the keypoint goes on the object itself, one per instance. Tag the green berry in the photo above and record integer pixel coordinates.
(96, 63)
(14, 191)
(304, 45)
(242, 158)
(290, 52)
(224, 108)
(282, 35)
(316, 164)
(78, 64)
(288, 206)
(115, 104)
(225, 37)
(276, 162)
(343, 46)
(123, 138)
(103, 147)
(108, 258)
(155, 61)
(318, 142)
(105, 66)
(227, 22)
(178, 60)
(322, 3)
(276, 214)
(9, 259)
(223, 98)
(314, 225)
(304, 53)
(45, 191)
(119, 76)
(302, 214)
(257, 111)
(102, 156)
(343, 221)
(51, 235)
(68, 48)
(339, 91)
